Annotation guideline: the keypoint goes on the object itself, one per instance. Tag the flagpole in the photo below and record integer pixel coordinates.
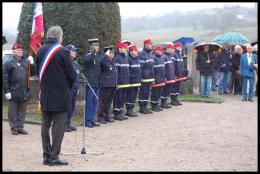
(29, 71)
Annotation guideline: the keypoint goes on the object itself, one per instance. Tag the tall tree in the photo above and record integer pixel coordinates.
(79, 22)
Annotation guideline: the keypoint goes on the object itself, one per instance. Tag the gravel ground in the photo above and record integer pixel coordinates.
(192, 137)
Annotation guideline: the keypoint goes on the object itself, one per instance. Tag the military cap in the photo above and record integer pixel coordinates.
(110, 48)
(93, 41)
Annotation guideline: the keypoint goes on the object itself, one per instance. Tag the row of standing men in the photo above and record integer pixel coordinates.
(123, 72)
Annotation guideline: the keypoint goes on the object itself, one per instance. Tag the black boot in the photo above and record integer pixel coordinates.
(158, 108)
(147, 110)
(123, 116)
(164, 104)
(118, 116)
(130, 113)
(173, 100)
(155, 107)
(178, 102)
(142, 109)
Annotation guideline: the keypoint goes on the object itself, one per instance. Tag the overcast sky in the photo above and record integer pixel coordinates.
(11, 11)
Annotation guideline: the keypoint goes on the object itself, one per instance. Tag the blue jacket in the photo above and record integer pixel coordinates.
(135, 71)
(108, 72)
(76, 83)
(159, 69)
(247, 70)
(179, 64)
(224, 58)
(146, 60)
(122, 65)
(169, 67)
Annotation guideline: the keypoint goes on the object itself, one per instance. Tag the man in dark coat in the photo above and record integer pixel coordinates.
(108, 83)
(135, 79)
(92, 74)
(15, 84)
(205, 64)
(122, 65)
(147, 77)
(55, 99)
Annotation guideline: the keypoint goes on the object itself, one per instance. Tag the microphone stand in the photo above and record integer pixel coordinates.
(83, 150)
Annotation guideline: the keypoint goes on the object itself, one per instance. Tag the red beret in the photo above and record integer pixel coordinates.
(178, 44)
(121, 45)
(170, 46)
(158, 48)
(17, 46)
(132, 47)
(148, 41)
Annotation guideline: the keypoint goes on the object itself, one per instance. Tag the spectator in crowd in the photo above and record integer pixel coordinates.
(254, 51)
(224, 70)
(236, 78)
(215, 74)
(248, 63)
(205, 65)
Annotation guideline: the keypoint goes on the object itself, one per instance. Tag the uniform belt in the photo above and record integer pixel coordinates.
(123, 86)
(181, 79)
(170, 81)
(135, 84)
(158, 84)
(147, 80)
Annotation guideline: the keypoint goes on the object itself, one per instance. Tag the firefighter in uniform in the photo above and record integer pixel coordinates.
(159, 76)
(122, 65)
(180, 74)
(135, 80)
(169, 75)
(147, 76)
(92, 74)
(108, 83)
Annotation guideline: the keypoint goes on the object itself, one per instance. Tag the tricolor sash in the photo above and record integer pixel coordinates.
(45, 62)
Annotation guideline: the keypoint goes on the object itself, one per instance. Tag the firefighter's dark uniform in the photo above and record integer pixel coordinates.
(135, 83)
(147, 77)
(123, 81)
(180, 74)
(159, 76)
(170, 79)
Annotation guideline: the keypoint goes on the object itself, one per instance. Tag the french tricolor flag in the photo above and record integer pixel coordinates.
(37, 28)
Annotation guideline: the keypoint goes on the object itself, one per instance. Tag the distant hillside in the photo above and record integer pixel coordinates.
(171, 34)
(227, 18)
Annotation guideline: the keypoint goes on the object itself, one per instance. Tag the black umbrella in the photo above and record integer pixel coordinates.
(254, 43)
(212, 45)
(4, 40)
